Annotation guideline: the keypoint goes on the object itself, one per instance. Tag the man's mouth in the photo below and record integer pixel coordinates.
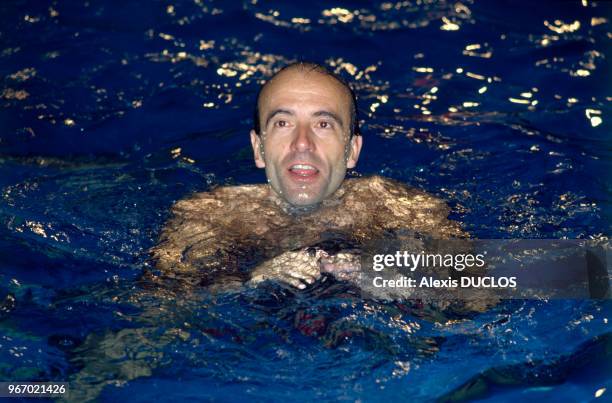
(303, 172)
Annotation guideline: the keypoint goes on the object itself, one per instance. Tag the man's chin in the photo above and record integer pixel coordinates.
(302, 194)
(303, 200)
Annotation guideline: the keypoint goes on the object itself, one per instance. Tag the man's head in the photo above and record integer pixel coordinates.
(306, 133)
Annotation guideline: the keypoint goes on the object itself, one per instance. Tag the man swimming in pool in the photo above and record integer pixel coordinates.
(305, 135)
(306, 223)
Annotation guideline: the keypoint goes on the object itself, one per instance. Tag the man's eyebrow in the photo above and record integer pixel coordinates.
(330, 115)
(277, 112)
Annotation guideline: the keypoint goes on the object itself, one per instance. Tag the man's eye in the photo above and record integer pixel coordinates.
(281, 123)
(325, 125)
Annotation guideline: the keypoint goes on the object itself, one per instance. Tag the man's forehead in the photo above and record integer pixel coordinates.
(301, 80)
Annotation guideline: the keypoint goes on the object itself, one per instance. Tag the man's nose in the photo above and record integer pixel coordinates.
(303, 140)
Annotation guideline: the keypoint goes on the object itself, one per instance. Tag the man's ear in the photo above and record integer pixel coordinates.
(355, 149)
(257, 148)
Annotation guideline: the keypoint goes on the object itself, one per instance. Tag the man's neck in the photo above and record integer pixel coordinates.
(305, 210)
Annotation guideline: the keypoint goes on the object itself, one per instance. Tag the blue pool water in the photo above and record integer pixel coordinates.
(111, 111)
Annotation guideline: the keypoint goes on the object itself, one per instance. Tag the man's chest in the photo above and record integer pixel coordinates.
(282, 233)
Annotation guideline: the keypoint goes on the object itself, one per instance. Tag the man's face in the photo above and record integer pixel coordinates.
(305, 143)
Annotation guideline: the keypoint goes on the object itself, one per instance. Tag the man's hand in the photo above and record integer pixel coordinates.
(299, 269)
(343, 266)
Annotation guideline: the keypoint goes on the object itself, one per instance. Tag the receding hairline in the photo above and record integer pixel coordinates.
(306, 68)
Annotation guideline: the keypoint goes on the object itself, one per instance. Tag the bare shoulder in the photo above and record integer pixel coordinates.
(228, 191)
(403, 206)
(219, 197)
(197, 223)
(388, 189)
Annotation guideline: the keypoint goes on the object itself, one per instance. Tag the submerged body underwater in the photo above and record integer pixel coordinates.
(113, 111)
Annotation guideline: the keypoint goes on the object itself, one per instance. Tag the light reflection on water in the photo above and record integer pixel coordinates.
(110, 113)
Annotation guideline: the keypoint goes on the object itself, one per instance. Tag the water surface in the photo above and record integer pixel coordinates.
(111, 111)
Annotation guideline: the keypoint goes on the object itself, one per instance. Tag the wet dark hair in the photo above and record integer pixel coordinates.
(318, 68)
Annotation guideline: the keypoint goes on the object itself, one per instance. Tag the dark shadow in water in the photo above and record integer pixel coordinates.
(592, 361)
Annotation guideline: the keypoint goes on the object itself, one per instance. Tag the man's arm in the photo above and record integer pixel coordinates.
(418, 213)
(189, 235)
(200, 243)
(414, 221)
(407, 208)
(211, 238)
